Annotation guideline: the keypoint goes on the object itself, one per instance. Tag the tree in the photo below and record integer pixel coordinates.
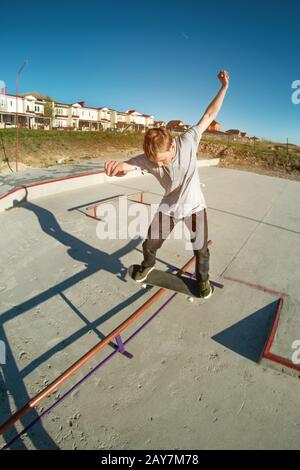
(49, 110)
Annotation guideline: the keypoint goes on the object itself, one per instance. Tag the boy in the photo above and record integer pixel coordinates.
(174, 163)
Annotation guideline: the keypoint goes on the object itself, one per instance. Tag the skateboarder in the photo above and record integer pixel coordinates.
(174, 163)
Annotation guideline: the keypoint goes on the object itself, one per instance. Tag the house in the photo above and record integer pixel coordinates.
(106, 117)
(9, 106)
(29, 108)
(34, 106)
(159, 124)
(236, 132)
(88, 117)
(176, 126)
(233, 134)
(149, 120)
(120, 120)
(61, 115)
(138, 121)
(214, 127)
(37, 95)
(36, 111)
(78, 116)
(245, 136)
(74, 115)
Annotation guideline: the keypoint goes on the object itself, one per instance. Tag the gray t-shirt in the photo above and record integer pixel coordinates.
(180, 179)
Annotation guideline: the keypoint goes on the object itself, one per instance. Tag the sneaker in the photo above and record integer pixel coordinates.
(142, 273)
(206, 289)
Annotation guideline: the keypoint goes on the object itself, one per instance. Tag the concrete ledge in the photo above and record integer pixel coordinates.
(210, 162)
(48, 188)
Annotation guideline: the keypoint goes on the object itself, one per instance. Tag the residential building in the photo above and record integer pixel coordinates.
(214, 127)
(177, 126)
(38, 111)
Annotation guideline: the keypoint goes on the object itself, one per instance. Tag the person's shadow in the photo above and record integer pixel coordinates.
(12, 380)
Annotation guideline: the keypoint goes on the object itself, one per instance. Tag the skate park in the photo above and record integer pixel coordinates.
(199, 373)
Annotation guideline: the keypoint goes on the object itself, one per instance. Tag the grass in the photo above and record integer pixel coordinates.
(48, 145)
(266, 153)
(42, 148)
(29, 136)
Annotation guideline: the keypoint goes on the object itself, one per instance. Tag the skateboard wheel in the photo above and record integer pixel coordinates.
(144, 286)
(190, 299)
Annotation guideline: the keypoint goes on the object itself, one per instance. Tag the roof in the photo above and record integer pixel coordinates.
(233, 131)
(62, 104)
(15, 96)
(37, 94)
(175, 123)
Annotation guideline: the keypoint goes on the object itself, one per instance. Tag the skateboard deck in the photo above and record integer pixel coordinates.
(182, 284)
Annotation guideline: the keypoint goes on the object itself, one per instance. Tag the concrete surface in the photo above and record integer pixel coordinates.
(195, 381)
(36, 175)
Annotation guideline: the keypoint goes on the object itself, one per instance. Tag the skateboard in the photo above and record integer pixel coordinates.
(183, 284)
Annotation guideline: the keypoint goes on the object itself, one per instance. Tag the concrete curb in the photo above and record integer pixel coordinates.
(47, 188)
(210, 162)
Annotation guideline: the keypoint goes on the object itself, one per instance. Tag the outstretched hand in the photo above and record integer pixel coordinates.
(223, 76)
(115, 168)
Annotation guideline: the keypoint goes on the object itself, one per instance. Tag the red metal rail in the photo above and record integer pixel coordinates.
(94, 207)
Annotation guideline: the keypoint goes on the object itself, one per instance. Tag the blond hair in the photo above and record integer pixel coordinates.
(156, 140)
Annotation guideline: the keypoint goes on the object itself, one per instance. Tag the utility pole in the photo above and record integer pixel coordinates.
(17, 115)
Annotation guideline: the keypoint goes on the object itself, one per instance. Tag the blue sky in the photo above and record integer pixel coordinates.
(161, 57)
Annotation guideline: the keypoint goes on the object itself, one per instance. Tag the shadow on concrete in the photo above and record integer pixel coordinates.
(12, 387)
(248, 337)
(13, 390)
(98, 201)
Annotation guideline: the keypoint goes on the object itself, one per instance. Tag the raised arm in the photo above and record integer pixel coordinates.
(215, 106)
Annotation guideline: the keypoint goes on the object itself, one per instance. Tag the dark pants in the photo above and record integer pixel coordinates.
(160, 228)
